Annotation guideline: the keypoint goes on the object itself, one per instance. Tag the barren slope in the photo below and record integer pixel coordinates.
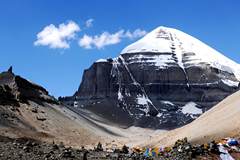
(220, 121)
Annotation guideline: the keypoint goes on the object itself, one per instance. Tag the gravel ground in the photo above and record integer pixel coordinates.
(28, 149)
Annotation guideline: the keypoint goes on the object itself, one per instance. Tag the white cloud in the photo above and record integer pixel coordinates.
(106, 38)
(89, 23)
(136, 34)
(57, 37)
(100, 41)
(86, 42)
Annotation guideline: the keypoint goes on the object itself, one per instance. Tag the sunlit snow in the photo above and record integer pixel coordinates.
(168, 40)
(190, 108)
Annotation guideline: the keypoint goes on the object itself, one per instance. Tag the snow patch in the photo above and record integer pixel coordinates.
(161, 61)
(159, 115)
(142, 100)
(120, 96)
(168, 102)
(230, 83)
(101, 60)
(190, 108)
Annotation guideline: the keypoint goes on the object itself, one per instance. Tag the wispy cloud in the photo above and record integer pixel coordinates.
(100, 41)
(135, 34)
(106, 38)
(86, 42)
(89, 23)
(57, 37)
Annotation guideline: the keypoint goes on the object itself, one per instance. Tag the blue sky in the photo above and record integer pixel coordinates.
(59, 67)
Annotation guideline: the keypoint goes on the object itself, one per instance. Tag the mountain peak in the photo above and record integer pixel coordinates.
(182, 48)
(10, 70)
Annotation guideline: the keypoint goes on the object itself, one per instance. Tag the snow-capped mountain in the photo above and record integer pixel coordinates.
(164, 80)
(188, 50)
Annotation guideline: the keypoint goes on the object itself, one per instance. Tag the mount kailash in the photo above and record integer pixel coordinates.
(164, 80)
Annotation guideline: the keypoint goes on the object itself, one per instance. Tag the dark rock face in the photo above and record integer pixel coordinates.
(14, 89)
(99, 74)
(141, 94)
(6, 97)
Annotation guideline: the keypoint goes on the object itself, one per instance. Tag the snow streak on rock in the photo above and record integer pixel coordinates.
(144, 103)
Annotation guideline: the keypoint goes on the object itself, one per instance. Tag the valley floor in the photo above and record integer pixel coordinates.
(58, 124)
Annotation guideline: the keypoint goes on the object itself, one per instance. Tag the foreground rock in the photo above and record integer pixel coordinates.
(28, 149)
(25, 149)
(225, 149)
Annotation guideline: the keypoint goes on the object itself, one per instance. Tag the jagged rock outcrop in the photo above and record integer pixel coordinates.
(164, 80)
(14, 89)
